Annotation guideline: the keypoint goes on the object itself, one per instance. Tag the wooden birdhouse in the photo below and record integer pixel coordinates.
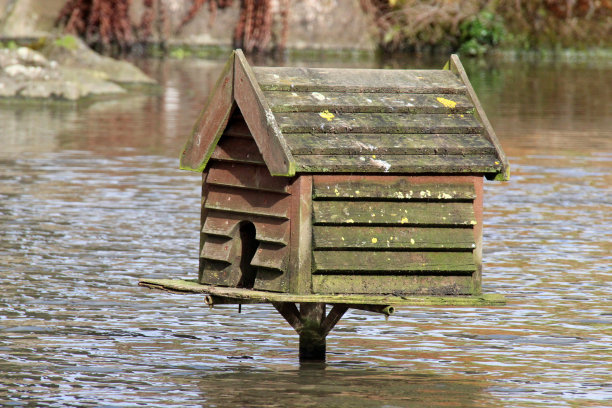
(322, 184)
(343, 180)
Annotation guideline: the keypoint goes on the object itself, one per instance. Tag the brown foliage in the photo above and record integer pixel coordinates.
(559, 22)
(413, 24)
(104, 23)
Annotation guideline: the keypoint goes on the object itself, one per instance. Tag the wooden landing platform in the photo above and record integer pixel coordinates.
(237, 295)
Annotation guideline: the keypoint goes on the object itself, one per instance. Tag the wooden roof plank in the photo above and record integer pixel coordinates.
(373, 163)
(400, 262)
(260, 119)
(328, 122)
(393, 213)
(285, 101)
(357, 80)
(400, 143)
(211, 123)
(455, 66)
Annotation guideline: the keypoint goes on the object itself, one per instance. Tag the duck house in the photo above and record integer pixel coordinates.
(356, 188)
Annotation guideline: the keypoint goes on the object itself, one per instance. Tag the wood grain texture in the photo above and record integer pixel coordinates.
(456, 67)
(285, 101)
(374, 163)
(246, 176)
(267, 229)
(402, 213)
(237, 149)
(211, 122)
(393, 285)
(271, 256)
(388, 144)
(393, 262)
(387, 298)
(301, 235)
(311, 122)
(248, 202)
(395, 188)
(260, 119)
(357, 80)
(394, 237)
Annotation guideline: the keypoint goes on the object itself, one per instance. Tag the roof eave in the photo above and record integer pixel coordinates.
(454, 65)
(211, 123)
(260, 119)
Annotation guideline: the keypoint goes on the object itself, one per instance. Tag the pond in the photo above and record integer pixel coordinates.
(91, 200)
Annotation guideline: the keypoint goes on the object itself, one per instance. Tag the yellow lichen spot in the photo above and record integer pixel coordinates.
(357, 192)
(404, 220)
(447, 102)
(412, 241)
(374, 240)
(350, 221)
(473, 222)
(342, 238)
(327, 115)
(373, 156)
(496, 162)
(336, 191)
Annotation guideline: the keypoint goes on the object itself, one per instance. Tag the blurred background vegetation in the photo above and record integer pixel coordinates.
(472, 27)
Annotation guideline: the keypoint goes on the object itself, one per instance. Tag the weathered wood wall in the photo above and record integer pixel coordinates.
(396, 234)
(238, 188)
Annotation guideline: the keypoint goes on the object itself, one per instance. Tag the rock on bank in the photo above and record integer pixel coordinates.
(63, 68)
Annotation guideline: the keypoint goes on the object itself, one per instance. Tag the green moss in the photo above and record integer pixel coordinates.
(68, 42)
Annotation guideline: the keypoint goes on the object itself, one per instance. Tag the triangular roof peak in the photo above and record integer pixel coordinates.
(352, 120)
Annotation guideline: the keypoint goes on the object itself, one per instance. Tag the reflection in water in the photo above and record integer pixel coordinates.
(91, 199)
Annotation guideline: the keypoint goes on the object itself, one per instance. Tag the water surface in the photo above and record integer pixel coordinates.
(91, 200)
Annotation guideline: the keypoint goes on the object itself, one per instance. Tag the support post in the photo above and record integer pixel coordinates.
(312, 338)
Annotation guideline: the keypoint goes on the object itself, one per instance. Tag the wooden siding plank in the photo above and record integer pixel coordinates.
(399, 262)
(283, 101)
(211, 122)
(246, 176)
(389, 284)
(392, 188)
(217, 249)
(456, 67)
(270, 280)
(248, 202)
(408, 238)
(271, 256)
(273, 230)
(476, 164)
(260, 119)
(237, 149)
(406, 213)
(219, 273)
(311, 122)
(402, 143)
(357, 80)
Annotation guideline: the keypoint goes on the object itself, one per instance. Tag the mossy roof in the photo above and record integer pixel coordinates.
(322, 120)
